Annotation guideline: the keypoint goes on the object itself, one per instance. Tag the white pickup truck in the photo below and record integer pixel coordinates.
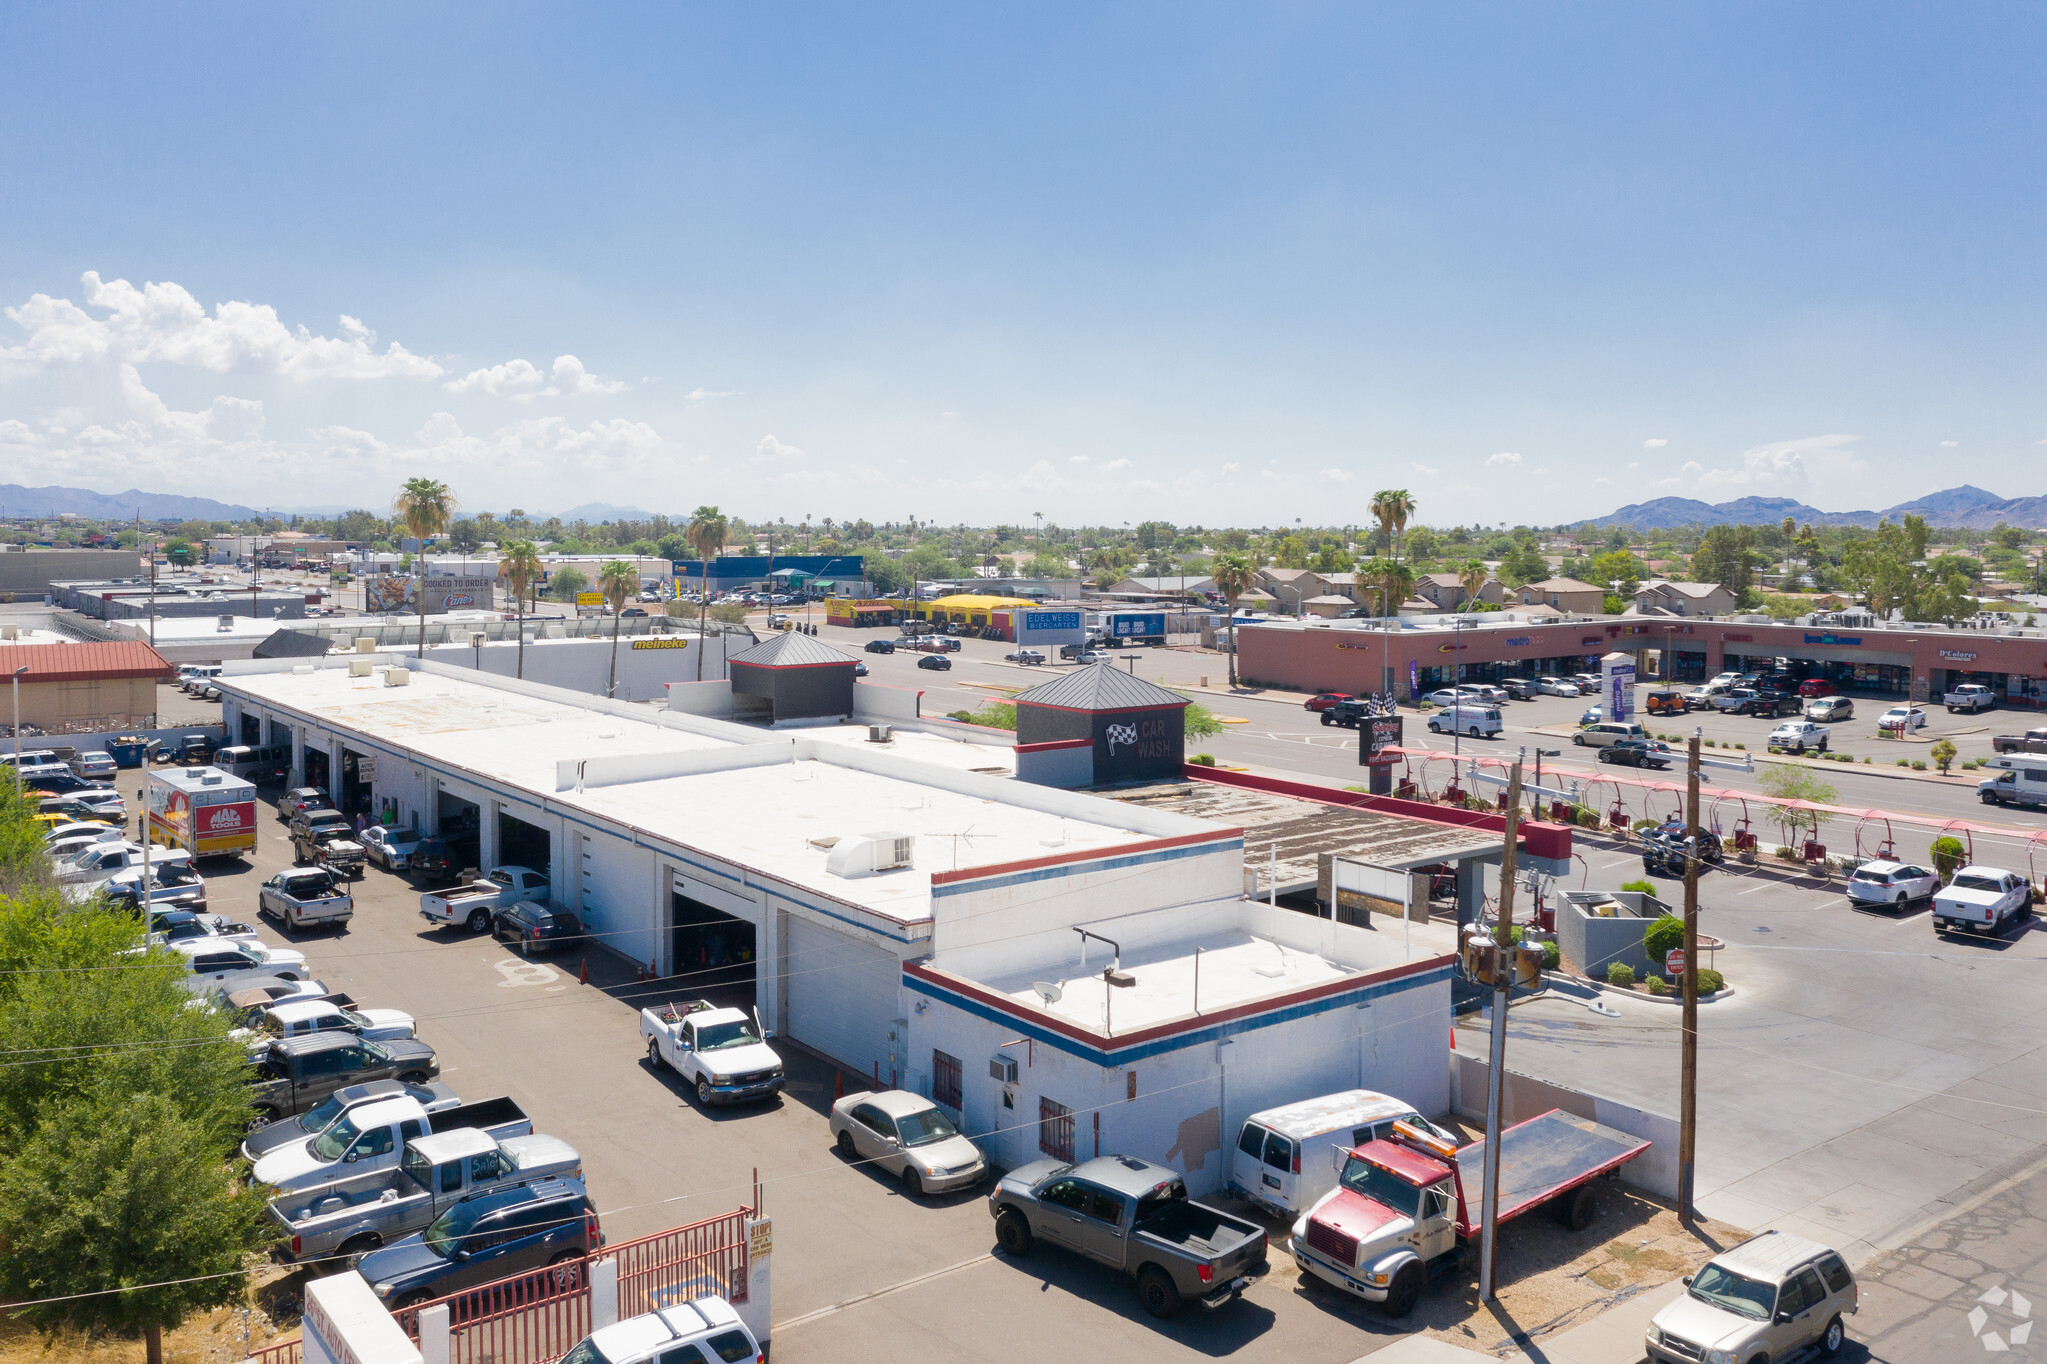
(719, 1052)
(301, 899)
(373, 1136)
(1970, 697)
(1982, 900)
(472, 904)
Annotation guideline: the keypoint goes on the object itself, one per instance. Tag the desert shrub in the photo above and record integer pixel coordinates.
(1620, 973)
(1203, 760)
(1711, 981)
(1644, 887)
(1947, 853)
(1656, 985)
(1663, 936)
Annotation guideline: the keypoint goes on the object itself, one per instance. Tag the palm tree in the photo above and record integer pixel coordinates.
(425, 507)
(1391, 507)
(521, 565)
(617, 580)
(1471, 576)
(706, 535)
(1394, 580)
(1232, 575)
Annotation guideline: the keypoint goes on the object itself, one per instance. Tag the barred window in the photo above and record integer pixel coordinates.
(945, 1080)
(1055, 1129)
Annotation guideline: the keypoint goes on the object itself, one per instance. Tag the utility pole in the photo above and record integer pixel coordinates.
(1496, 1052)
(1688, 1064)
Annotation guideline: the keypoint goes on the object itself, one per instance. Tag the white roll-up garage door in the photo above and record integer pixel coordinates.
(841, 995)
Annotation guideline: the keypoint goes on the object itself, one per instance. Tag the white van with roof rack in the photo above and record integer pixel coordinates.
(1286, 1158)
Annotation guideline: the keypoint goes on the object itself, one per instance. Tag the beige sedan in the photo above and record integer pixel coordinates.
(910, 1137)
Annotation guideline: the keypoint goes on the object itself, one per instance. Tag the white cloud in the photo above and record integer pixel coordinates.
(1809, 465)
(772, 449)
(1506, 459)
(1116, 466)
(164, 324)
(1076, 459)
(1949, 444)
(1422, 470)
(1654, 443)
(1338, 475)
(1232, 470)
(704, 395)
(523, 381)
(1267, 473)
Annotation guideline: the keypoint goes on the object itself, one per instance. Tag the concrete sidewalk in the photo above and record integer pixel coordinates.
(1612, 1337)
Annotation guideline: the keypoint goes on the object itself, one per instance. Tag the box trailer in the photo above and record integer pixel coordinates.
(1134, 627)
(203, 810)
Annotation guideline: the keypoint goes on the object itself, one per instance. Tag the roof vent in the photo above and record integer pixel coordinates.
(397, 677)
(865, 854)
(360, 667)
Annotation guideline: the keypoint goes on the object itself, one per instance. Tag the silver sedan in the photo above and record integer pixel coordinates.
(910, 1137)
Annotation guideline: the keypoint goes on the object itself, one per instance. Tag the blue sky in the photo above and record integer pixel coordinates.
(1218, 264)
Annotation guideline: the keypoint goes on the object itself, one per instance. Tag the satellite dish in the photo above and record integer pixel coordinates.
(1048, 992)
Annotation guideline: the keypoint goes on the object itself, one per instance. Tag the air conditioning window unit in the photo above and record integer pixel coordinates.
(1002, 1069)
(360, 667)
(397, 677)
(865, 854)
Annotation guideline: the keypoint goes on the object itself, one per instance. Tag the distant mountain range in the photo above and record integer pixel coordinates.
(1967, 506)
(15, 500)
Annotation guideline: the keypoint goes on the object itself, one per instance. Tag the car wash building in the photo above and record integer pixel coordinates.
(792, 677)
(1097, 725)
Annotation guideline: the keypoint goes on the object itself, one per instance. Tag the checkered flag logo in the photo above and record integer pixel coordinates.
(1380, 704)
(2011, 1303)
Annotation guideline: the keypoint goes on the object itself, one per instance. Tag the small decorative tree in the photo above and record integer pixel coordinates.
(1947, 852)
(1943, 755)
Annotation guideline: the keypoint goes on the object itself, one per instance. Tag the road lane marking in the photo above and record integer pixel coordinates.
(838, 1307)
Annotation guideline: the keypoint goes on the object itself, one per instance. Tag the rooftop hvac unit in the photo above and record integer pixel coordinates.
(881, 734)
(1002, 1069)
(365, 644)
(865, 854)
(9, 632)
(397, 677)
(224, 623)
(360, 667)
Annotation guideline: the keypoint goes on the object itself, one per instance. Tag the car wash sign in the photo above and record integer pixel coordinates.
(1379, 740)
(1139, 745)
(1617, 686)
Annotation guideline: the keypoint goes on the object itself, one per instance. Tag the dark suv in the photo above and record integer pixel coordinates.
(1771, 704)
(438, 859)
(294, 1073)
(1349, 714)
(486, 1238)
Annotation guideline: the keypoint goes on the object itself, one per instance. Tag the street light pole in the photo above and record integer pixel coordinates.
(1688, 1062)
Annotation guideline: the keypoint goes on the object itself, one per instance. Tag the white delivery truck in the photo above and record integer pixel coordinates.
(203, 810)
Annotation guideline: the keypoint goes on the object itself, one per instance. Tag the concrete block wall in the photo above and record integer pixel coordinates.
(1524, 1097)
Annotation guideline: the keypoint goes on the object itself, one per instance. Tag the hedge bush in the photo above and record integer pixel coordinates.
(1620, 973)
(1711, 982)
(1947, 853)
(1552, 955)
(1203, 760)
(1645, 887)
(1664, 936)
(1656, 985)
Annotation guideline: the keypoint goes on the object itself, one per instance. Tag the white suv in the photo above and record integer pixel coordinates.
(702, 1331)
(1799, 735)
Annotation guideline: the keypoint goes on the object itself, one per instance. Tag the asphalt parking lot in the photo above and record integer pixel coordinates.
(862, 1271)
(1836, 1083)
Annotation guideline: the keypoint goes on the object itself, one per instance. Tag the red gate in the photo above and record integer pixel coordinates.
(534, 1318)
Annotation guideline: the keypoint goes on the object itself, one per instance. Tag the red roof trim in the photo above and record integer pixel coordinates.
(946, 878)
(1055, 743)
(790, 667)
(1115, 710)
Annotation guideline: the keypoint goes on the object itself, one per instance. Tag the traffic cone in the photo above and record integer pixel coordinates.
(583, 972)
(1453, 1037)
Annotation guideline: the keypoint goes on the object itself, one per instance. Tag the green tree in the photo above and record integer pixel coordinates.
(1392, 507)
(566, 583)
(1943, 754)
(1232, 575)
(116, 1187)
(1616, 565)
(1947, 853)
(523, 569)
(1664, 934)
(1802, 785)
(1727, 555)
(707, 532)
(1392, 580)
(424, 506)
(1471, 580)
(180, 551)
(618, 580)
(1048, 566)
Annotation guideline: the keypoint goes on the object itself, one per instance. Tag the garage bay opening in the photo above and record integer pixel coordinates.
(713, 953)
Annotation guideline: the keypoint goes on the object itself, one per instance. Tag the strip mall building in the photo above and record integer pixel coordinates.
(1422, 653)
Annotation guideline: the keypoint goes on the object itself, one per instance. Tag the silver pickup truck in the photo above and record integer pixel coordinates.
(355, 1216)
(1135, 1217)
(301, 898)
(374, 1136)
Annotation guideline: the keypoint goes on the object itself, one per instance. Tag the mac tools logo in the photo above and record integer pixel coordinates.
(2015, 1305)
(222, 818)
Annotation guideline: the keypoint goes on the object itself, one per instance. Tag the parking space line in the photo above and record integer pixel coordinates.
(838, 1307)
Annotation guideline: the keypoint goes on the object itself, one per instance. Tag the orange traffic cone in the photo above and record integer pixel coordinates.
(1453, 1037)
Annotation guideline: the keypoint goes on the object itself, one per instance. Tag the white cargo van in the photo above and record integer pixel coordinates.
(1287, 1158)
(1478, 719)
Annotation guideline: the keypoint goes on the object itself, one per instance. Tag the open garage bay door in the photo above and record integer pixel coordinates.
(841, 996)
(524, 845)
